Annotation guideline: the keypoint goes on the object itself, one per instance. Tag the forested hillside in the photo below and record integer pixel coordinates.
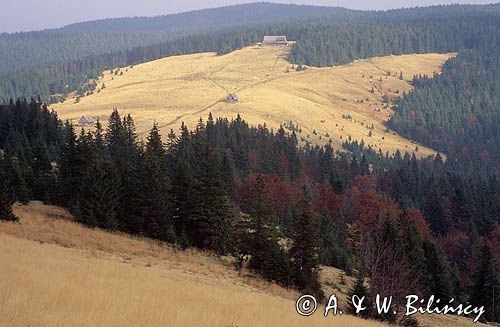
(339, 43)
(458, 111)
(216, 17)
(61, 61)
(26, 50)
(77, 41)
(55, 80)
(240, 190)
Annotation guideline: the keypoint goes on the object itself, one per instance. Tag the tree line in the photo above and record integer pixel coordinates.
(279, 209)
(456, 112)
(337, 38)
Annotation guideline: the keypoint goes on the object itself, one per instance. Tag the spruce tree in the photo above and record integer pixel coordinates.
(68, 166)
(116, 139)
(486, 285)
(154, 189)
(259, 237)
(42, 182)
(437, 278)
(360, 290)
(210, 224)
(98, 199)
(305, 250)
(433, 210)
(6, 197)
(182, 192)
(412, 247)
(121, 141)
(99, 137)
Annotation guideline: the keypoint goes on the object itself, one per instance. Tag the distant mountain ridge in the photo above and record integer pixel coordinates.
(261, 12)
(220, 16)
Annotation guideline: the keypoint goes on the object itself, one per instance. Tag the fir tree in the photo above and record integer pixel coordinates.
(360, 290)
(98, 199)
(68, 175)
(305, 250)
(6, 197)
(182, 191)
(437, 278)
(99, 137)
(412, 247)
(124, 153)
(259, 237)
(486, 286)
(211, 221)
(433, 210)
(42, 181)
(154, 189)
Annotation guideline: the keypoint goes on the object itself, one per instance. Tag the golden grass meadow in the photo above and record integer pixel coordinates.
(55, 272)
(335, 103)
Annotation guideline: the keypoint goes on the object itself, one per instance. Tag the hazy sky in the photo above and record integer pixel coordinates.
(24, 15)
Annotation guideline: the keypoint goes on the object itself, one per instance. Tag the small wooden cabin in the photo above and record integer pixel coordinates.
(86, 121)
(275, 40)
(232, 98)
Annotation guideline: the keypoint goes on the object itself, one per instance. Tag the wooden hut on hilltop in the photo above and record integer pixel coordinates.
(275, 40)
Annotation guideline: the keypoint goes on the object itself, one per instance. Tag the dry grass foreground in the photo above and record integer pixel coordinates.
(318, 100)
(58, 273)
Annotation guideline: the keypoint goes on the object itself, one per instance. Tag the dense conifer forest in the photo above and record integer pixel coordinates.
(241, 190)
(457, 112)
(80, 40)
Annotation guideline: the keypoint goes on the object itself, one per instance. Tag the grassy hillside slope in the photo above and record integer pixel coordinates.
(59, 273)
(325, 103)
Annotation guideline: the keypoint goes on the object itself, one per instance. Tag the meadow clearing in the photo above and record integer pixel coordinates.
(322, 104)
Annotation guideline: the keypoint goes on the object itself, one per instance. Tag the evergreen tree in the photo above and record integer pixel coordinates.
(98, 199)
(211, 223)
(437, 278)
(182, 190)
(364, 166)
(360, 290)
(433, 210)
(305, 250)
(68, 166)
(121, 141)
(6, 197)
(154, 204)
(42, 182)
(259, 237)
(486, 286)
(116, 139)
(412, 247)
(99, 137)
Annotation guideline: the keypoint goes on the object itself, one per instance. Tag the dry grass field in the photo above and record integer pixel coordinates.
(326, 103)
(58, 273)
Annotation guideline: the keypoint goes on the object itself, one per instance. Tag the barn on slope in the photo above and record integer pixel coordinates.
(232, 98)
(275, 40)
(86, 121)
